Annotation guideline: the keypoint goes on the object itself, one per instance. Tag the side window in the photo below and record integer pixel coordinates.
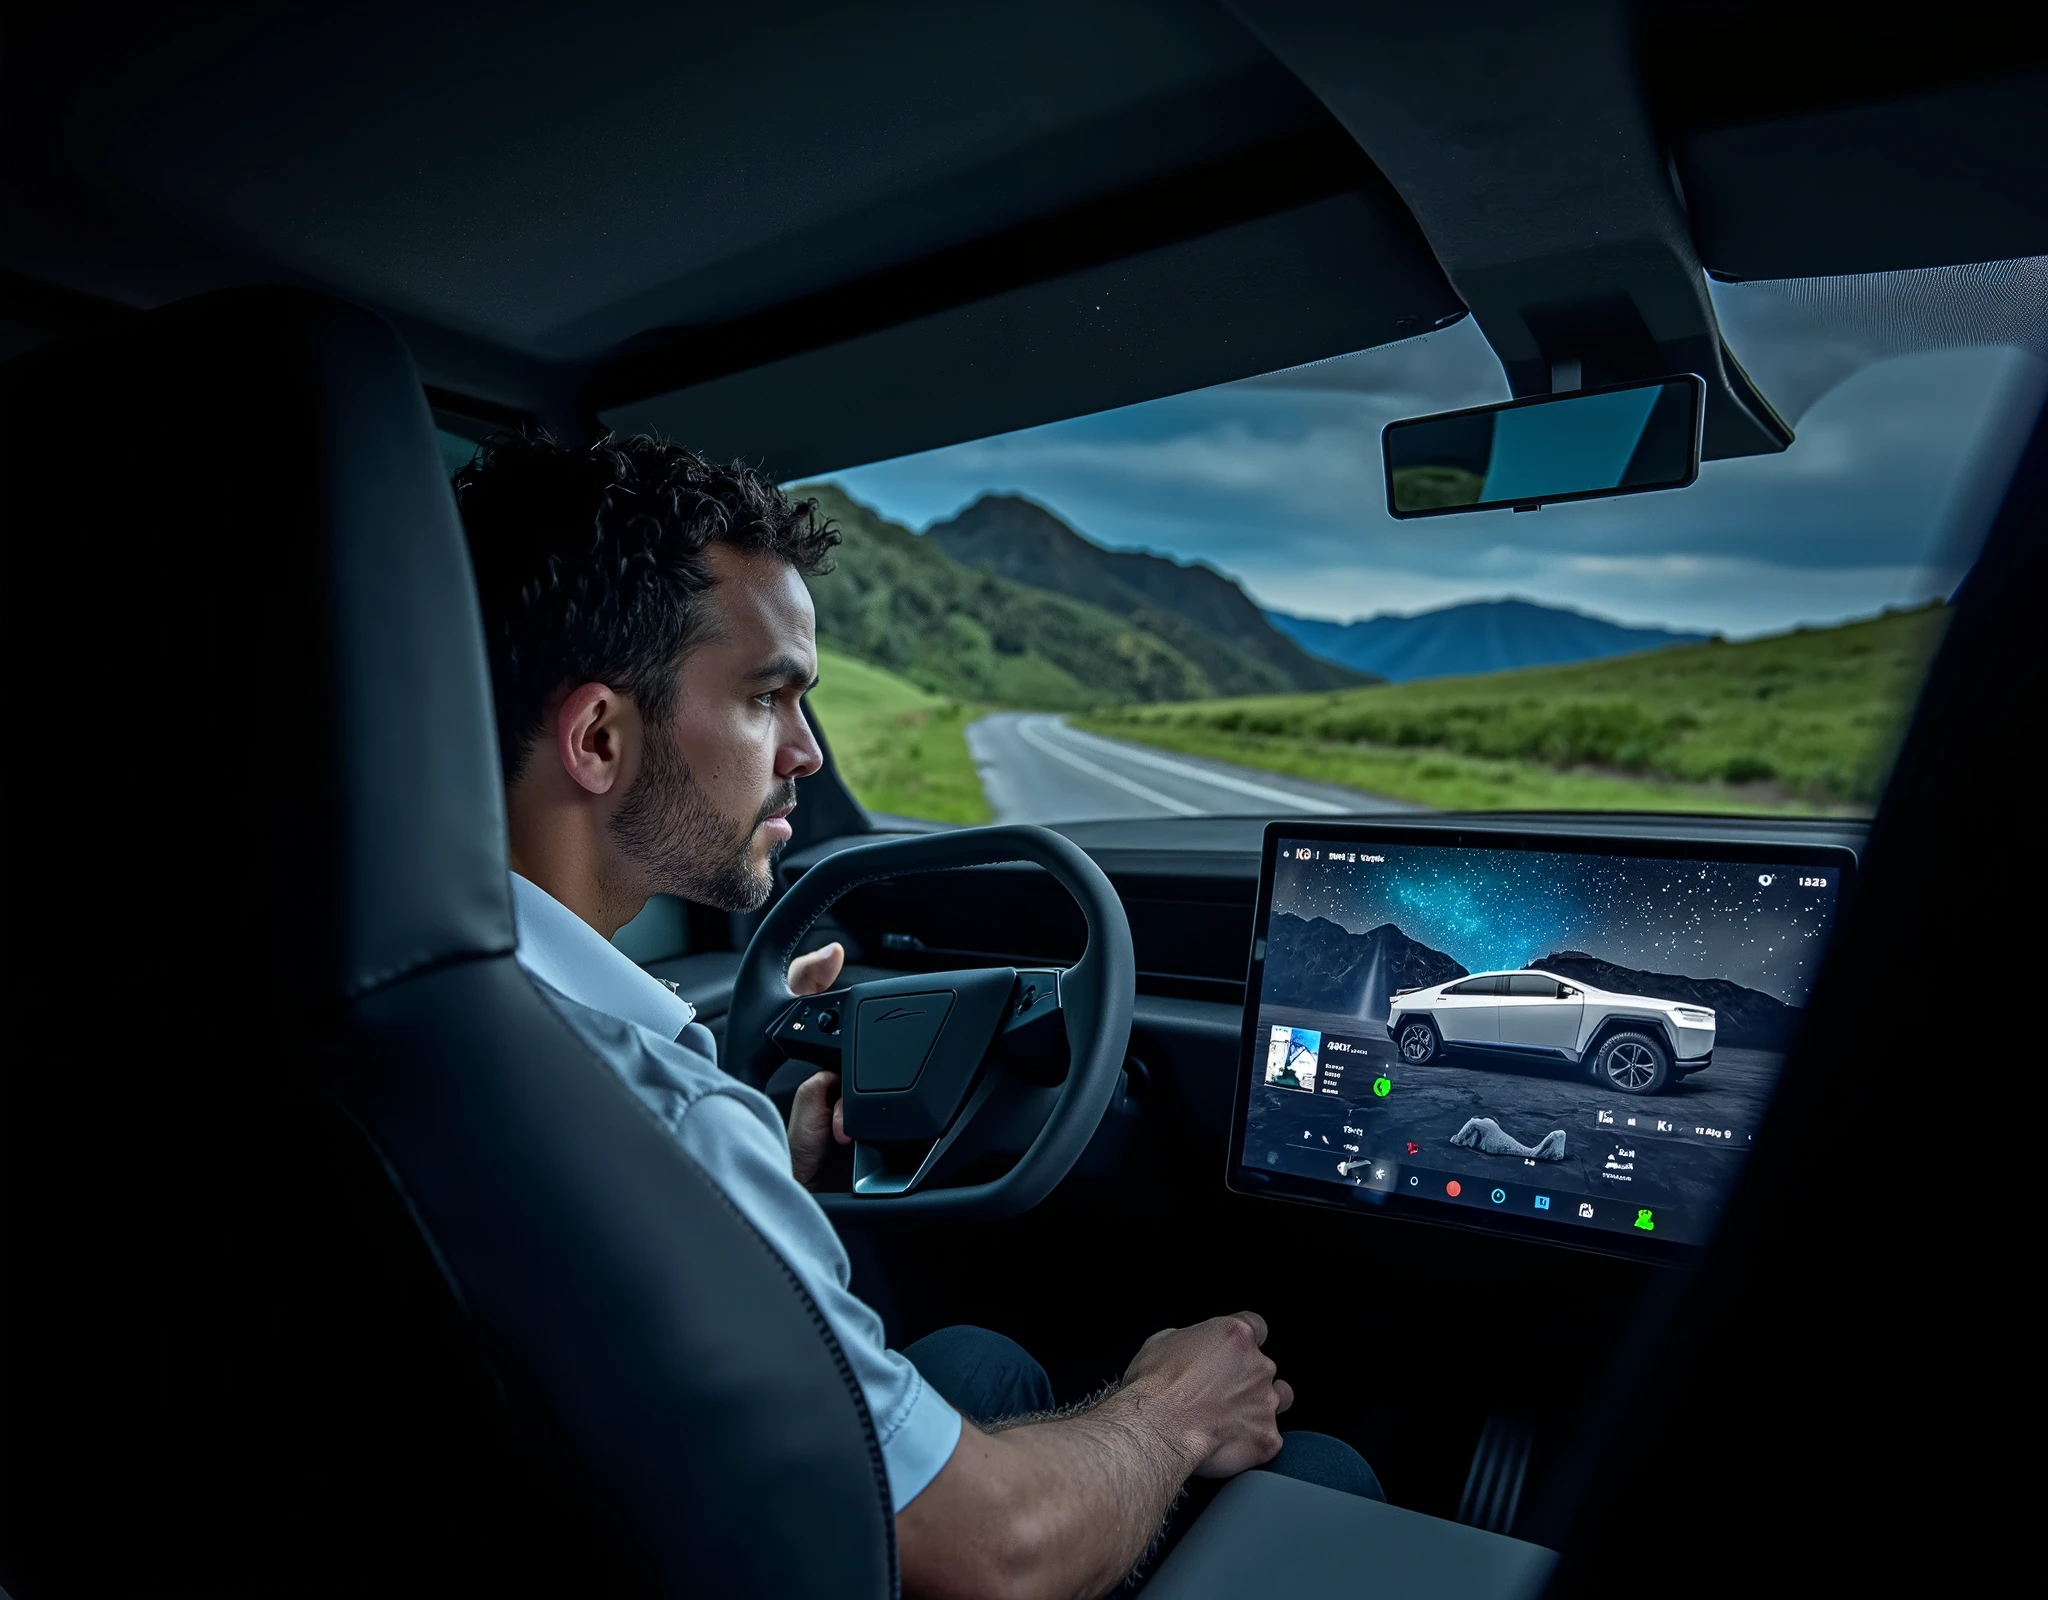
(1475, 986)
(1530, 983)
(455, 450)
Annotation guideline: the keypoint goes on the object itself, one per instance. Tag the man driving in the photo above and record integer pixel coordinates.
(651, 639)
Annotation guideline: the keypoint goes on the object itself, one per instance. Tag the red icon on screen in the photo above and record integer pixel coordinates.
(1454, 1188)
(1414, 1149)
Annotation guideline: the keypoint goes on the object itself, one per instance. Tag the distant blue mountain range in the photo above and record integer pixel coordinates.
(1480, 636)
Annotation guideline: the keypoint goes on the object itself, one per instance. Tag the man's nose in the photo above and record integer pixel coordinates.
(799, 755)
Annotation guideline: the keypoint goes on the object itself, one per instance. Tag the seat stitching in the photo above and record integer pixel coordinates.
(415, 966)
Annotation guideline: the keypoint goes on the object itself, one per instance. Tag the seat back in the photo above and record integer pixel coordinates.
(337, 1262)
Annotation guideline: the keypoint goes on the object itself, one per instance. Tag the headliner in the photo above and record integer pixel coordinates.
(768, 204)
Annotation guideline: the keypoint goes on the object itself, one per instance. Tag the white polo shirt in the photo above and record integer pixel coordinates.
(649, 1035)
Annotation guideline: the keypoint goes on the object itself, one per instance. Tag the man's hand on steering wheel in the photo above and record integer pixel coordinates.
(818, 971)
(814, 1115)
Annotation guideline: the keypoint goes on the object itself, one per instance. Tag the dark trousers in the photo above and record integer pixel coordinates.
(988, 1378)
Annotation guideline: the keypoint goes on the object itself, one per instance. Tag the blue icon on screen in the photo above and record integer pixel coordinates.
(1499, 1195)
(1543, 1202)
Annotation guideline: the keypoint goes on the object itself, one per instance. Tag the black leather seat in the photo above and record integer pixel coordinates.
(338, 1263)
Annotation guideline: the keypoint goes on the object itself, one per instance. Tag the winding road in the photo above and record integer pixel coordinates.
(1035, 768)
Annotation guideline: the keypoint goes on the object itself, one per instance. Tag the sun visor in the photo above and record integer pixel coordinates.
(1340, 274)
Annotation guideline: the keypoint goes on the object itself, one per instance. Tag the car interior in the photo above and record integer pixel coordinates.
(333, 1262)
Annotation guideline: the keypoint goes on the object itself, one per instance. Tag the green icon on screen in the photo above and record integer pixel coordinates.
(1383, 1086)
(1646, 1222)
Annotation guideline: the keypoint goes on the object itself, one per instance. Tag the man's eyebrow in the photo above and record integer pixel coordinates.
(785, 669)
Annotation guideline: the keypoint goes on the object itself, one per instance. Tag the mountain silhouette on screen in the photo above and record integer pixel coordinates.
(1480, 636)
(1744, 1018)
(1321, 966)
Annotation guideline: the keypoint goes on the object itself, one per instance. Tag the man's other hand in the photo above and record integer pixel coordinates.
(1220, 1387)
(815, 1122)
(1064, 1506)
(818, 971)
(814, 1116)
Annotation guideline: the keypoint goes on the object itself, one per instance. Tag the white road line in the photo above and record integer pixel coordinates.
(1080, 764)
(1181, 769)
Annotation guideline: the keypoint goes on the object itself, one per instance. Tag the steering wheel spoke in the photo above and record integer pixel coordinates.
(1032, 1041)
(812, 1029)
(1002, 1116)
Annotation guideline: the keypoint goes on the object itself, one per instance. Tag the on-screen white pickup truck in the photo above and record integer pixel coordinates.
(1630, 1042)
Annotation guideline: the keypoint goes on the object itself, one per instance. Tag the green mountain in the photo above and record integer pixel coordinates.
(899, 601)
(1476, 636)
(1195, 609)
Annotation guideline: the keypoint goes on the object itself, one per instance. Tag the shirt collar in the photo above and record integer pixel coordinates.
(568, 954)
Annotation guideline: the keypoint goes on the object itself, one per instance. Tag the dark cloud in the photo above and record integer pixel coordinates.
(1900, 450)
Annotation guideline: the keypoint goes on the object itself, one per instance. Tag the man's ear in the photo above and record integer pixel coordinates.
(594, 727)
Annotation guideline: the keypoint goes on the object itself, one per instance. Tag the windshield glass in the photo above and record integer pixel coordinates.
(1200, 604)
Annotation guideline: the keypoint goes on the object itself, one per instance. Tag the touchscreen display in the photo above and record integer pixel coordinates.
(1547, 1036)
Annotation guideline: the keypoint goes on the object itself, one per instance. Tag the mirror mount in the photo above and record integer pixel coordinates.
(1532, 166)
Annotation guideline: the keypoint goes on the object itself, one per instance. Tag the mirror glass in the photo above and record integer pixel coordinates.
(1579, 446)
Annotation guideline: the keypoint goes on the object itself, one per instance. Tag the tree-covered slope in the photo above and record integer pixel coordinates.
(1193, 608)
(902, 603)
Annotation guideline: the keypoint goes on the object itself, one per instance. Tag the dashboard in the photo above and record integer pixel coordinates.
(1192, 888)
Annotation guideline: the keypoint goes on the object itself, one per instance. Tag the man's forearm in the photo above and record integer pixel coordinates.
(1063, 1507)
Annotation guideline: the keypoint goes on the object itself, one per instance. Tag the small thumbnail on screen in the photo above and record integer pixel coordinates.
(1291, 1059)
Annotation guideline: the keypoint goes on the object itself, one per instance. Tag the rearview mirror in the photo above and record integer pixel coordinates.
(1586, 445)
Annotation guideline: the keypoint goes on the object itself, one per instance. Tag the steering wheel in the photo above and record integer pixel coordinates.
(994, 1077)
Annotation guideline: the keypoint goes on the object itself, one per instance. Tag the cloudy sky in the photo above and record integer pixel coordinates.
(1276, 481)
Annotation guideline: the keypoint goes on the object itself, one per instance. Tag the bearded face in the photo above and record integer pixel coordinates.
(672, 830)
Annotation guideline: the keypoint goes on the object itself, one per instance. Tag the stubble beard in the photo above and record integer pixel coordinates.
(675, 835)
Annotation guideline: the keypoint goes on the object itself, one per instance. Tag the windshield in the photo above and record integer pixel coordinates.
(1200, 604)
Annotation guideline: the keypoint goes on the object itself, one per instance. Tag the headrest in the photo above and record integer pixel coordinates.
(241, 499)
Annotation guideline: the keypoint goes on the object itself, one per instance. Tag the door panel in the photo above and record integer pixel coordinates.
(1468, 1018)
(1540, 1020)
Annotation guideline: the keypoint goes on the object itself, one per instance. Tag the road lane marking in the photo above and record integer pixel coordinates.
(1182, 769)
(1082, 764)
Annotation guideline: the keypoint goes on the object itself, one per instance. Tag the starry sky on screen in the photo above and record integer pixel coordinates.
(1497, 909)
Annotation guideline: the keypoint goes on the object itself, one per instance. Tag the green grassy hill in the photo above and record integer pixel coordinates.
(898, 747)
(1194, 609)
(899, 601)
(1806, 718)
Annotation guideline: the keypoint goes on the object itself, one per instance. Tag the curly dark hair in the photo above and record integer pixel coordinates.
(591, 563)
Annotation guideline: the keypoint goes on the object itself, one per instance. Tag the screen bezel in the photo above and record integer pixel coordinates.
(1692, 473)
(1260, 1184)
